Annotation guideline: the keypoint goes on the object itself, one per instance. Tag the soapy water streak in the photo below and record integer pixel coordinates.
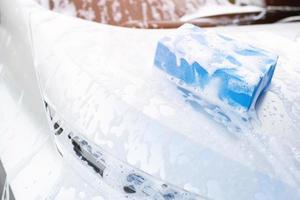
(122, 177)
(6, 191)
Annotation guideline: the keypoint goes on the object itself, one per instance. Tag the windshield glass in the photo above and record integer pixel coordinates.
(173, 13)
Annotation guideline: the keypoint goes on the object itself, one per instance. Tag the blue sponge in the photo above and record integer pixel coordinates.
(220, 68)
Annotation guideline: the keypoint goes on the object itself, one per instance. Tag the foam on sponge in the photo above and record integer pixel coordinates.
(220, 68)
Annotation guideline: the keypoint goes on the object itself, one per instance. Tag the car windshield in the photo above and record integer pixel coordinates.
(173, 13)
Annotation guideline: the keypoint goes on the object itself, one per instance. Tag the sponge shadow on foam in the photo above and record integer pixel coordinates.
(259, 101)
(213, 113)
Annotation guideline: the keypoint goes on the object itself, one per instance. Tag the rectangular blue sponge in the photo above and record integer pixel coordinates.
(199, 58)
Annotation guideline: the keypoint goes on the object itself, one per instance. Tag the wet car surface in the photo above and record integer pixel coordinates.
(145, 121)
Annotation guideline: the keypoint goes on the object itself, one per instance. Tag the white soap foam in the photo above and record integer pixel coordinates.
(211, 52)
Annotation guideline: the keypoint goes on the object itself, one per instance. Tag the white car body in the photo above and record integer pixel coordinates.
(101, 81)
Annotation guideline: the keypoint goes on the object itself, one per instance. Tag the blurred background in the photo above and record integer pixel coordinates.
(173, 13)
